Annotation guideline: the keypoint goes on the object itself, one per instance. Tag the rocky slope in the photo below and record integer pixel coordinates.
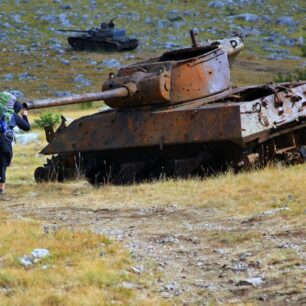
(30, 42)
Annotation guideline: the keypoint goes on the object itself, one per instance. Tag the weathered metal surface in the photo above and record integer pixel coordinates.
(265, 115)
(141, 129)
(173, 78)
(239, 122)
(200, 77)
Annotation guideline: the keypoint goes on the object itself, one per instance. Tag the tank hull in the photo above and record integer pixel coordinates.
(91, 43)
(242, 127)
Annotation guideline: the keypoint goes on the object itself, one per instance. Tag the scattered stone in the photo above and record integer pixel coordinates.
(165, 240)
(128, 285)
(61, 94)
(81, 80)
(26, 138)
(216, 4)
(26, 260)
(8, 77)
(64, 20)
(239, 266)
(66, 6)
(286, 21)
(174, 15)
(301, 41)
(137, 269)
(254, 281)
(247, 17)
(162, 24)
(65, 62)
(92, 62)
(265, 214)
(17, 93)
(49, 19)
(40, 253)
(111, 63)
(220, 251)
(170, 287)
(148, 20)
(267, 19)
(129, 56)
(171, 45)
(26, 76)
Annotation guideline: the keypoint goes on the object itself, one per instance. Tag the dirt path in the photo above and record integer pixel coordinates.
(197, 255)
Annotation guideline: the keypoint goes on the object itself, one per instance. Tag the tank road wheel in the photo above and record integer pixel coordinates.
(48, 174)
(41, 175)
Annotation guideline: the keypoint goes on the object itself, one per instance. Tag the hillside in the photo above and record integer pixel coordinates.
(37, 61)
(230, 239)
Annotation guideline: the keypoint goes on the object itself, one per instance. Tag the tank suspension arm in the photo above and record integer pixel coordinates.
(121, 92)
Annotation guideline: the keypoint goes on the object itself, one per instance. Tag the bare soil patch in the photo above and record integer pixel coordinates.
(198, 255)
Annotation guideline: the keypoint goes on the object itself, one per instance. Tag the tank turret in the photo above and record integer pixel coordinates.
(173, 78)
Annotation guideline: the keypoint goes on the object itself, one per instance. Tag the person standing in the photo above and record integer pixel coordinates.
(13, 107)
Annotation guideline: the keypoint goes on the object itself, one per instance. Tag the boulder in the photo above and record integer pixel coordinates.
(81, 80)
(174, 15)
(111, 63)
(247, 17)
(286, 21)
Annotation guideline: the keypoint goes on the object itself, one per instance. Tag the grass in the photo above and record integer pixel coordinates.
(245, 193)
(77, 274)
(83, 268)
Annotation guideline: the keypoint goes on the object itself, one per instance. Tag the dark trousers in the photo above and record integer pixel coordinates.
(6, 154)
(2, 174)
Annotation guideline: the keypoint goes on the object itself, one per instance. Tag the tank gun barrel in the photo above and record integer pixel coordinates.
(120, 92)
(71, 30)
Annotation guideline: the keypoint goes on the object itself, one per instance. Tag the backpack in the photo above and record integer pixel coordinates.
(6, 112)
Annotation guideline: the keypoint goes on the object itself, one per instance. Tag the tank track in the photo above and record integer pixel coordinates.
(180, 161)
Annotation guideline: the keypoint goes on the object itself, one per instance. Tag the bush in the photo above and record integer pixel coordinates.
(86, 105)
(48, 119)
(298, 74)
(303, 49)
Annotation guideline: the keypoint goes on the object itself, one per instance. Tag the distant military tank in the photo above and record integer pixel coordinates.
(177, 115)
(106, 38)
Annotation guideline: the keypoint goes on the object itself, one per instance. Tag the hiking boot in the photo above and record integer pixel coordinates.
(4, 197)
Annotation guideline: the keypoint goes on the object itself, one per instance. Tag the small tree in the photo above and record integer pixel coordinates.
(48, 119)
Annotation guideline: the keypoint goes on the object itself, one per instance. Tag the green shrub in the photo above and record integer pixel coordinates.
(86, 105)
(47, 119)
(298, 74)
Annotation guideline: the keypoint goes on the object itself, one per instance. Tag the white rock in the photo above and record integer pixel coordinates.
(26, 260)
(255, 281)
(40, 253)
(26, 138)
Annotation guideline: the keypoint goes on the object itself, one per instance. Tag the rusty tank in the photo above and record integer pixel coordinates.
(176, 115)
